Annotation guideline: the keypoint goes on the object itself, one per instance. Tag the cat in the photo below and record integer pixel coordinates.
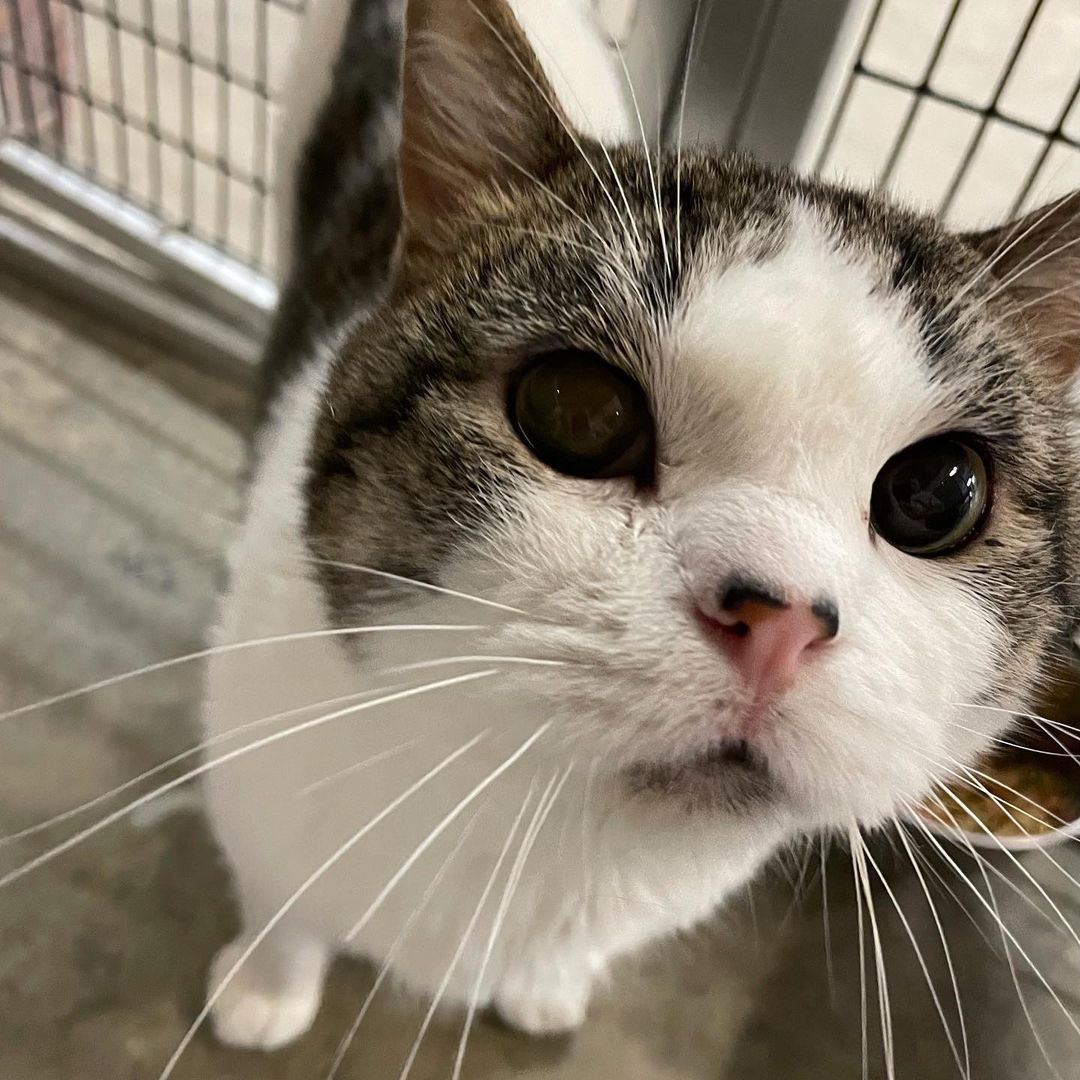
(625, 516)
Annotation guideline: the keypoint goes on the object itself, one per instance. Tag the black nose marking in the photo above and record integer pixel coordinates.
(738, 590)
(827, 612)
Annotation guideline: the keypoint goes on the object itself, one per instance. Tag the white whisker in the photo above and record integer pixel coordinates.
(864, 1011)
(1068, 730)
(230, 647)
(553, 60)
(1015, 978)
(1007, 245)
(1013, 975)
(799, 886)
(966, 776)
(442, 826)
(969, 771)
(442, 661)
(277, 736)
(989, 867)
(688, 62)
(586, 822)
(997, 918)
(417, 583)
(1070, 929)
(1008, 282)
(613, 261)
(884, 1006)
(1016, 309)
(351, 770)
(391, 955)
(183, 755)
(607, 256)
(467, 933)
(946, 951)
(543, 809)
(925, 862)
(512, 53)
(1026, 269)
(295, 898)
(999, 741)
(1006, 937)
(654, 178)
(998, 709)
(826, 927)
(965, 1069)
(1052, 729)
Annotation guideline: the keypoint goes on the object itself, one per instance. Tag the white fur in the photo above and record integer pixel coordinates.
(593, 887)
(860, 730)
(814, 381)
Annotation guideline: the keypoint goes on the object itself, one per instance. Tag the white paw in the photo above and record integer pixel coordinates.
(260, 1011)
(539, 1009)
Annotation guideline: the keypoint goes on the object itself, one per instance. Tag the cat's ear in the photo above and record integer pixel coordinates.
(1036, 261)
(477, 108)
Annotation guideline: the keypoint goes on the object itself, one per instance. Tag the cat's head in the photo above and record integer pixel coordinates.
(781, 472)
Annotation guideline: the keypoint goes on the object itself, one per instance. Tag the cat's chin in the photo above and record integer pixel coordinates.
(728, 775)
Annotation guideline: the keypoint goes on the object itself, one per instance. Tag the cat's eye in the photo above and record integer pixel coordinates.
(582, 416)
(931, 498)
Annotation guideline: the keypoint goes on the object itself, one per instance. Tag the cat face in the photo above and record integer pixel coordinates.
(779, 474)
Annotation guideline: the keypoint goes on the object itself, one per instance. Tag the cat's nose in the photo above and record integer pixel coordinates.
(766, 637)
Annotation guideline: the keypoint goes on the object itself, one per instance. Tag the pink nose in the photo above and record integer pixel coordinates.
(767, 639)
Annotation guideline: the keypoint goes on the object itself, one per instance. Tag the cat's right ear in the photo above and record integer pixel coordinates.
(477, 110)
(1036, 261)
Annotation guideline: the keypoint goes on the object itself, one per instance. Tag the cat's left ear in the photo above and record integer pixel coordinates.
(1036, 261)
(478, 110)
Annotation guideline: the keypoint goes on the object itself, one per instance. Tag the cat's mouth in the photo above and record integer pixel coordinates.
(728, 774)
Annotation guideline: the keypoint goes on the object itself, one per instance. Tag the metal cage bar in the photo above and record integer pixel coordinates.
(168, 138)
(131, 124)
(136, 124)
(1050, 127)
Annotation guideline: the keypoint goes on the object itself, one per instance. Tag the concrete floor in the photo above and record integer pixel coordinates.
(119, 476)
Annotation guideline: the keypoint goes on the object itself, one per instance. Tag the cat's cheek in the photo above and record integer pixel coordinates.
(863, 730)
(869, 732)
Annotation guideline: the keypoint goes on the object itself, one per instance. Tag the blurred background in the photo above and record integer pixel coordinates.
(137, 272)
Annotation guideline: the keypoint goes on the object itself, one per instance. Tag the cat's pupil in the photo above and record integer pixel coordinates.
(931, 498)
(582, 416)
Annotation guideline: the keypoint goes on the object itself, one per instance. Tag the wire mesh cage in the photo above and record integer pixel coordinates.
(152, 123)
(166, 104)
(969, 107)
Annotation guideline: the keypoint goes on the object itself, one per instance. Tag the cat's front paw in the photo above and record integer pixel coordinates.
(268, 1002)
(552, 1005)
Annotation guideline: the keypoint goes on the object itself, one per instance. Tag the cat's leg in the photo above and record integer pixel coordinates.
(272, 998)
(547, 973)
(262, 996)
(546, 996)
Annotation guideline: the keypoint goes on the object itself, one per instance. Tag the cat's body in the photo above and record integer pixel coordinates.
(630, 763)
(600, 880)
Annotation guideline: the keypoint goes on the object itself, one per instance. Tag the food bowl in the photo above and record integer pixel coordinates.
(1051, 817)
(1035, 771)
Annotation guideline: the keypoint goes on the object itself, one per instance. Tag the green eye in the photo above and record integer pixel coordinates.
(583, 417)
(931, 498)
